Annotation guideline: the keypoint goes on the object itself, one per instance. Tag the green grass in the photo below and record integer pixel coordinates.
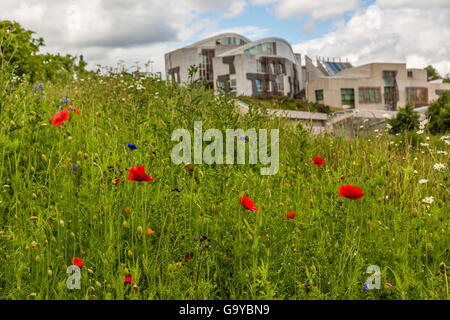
(253, 255)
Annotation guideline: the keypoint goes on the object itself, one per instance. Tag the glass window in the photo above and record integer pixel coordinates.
(348, 96)
(418, 96)
(319, 95)
(259, 49)
(233, 85)
(269, 48)
(410, 74)
(258, 85)
(280, 82)
(369, 95)
(270, 85)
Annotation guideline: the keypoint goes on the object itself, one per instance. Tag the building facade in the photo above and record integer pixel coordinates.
(382, 86)
(230, 62)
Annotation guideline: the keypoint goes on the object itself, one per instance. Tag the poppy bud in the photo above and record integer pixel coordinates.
(85, 155)
(61, 223)
(34, 196)
(125, 224)
(72, 235)
(50, 273)
(130, 254)
(139, 230)
(69, 138)
(37, 259)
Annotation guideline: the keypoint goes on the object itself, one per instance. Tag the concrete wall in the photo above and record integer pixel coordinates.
(370, 75)
(182, 58)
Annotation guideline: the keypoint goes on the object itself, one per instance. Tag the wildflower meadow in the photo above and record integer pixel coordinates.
(92, 206)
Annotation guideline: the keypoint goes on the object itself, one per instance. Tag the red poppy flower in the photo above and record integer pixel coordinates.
(117, 180)
(77, 262)
(138, 174)
(191, 169)
(128, 279)
(188, 256)
(59, 117)
(318, 161)
(350, 192)
(248, 203)
(291, 215)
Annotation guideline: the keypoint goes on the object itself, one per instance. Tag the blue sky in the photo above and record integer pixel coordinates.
(363, 31)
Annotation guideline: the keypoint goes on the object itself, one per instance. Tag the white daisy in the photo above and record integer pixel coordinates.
(439, 166)
(424, 144)
(445, 137)
(428, 200)
(441, 152)
(420, 132)
(422, 181)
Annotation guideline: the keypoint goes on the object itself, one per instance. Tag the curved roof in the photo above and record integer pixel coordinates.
(218, 36)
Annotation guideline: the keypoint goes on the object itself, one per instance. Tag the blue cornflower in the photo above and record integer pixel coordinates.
(366, 287)
(243, 138)
(75, 167)
(132, 146)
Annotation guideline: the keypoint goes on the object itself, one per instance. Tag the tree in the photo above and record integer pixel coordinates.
(19, 54)
(438, 114)
(432, 73)
(406, 119)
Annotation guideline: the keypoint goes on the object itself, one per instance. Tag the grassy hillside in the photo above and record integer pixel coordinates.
(59, 199)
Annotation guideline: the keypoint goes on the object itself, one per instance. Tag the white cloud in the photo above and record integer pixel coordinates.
(251, 32)
(317, 9)
(235, 9)
(389, 33)
(104, 30)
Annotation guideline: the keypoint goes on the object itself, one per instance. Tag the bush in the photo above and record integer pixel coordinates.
(439, 114)
(406, 119)
(284, 102)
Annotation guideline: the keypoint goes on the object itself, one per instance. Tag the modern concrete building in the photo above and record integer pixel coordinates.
(233, 63)
(382, 86)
